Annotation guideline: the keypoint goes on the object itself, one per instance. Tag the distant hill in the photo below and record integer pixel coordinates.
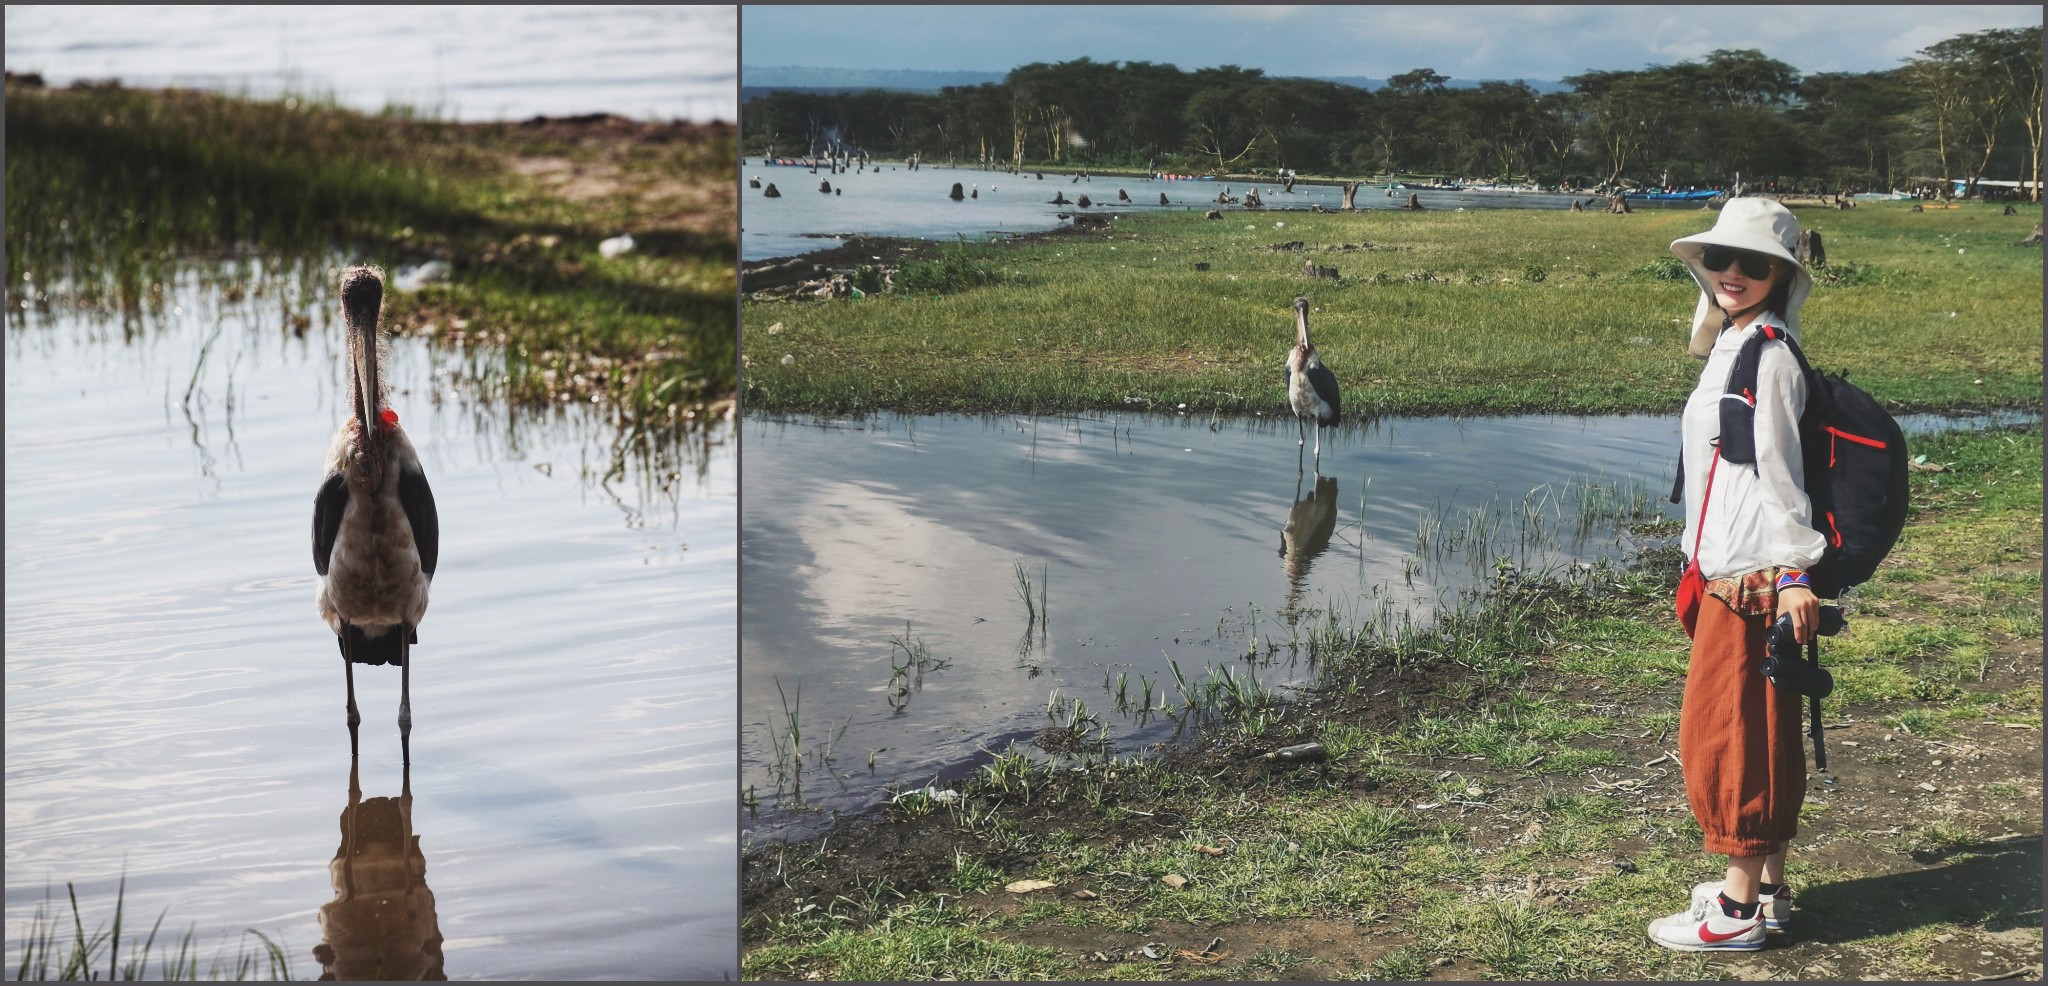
(755, 80)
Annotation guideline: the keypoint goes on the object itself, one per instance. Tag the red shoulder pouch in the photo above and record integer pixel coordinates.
(1692, 590)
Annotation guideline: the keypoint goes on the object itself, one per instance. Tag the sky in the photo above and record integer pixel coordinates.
(1474, 42)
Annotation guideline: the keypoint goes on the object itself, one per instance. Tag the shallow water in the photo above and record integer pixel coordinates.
(175, 706)
(1161, 539)
(504, 62)
(891, 201)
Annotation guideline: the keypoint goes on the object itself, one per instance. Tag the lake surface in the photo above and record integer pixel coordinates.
(891, 201)
(175, 706)
(1158, 539)
(501, 62)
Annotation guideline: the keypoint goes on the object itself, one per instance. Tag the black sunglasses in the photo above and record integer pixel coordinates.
(1755, 266)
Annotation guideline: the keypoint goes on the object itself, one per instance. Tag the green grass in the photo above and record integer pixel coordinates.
(1440, 315)
(112, 192)
(56, 946)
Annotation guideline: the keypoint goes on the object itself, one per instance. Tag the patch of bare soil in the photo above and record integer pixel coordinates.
(600, 157)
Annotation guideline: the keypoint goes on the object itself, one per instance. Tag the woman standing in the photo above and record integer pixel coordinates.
(1751, 537)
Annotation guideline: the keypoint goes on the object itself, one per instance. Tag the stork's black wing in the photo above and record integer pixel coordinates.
(418, 501)
(1325, 384)
(327, 507)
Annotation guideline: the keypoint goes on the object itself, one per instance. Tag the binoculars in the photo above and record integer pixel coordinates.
(1790, 670)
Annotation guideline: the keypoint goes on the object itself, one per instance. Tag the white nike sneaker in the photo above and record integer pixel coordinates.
(1703, 928)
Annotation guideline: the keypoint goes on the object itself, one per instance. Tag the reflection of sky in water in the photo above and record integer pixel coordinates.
(175, 706)
(1151, 531)
(1161, 537)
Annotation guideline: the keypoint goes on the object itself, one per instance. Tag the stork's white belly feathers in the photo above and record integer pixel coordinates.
(1301, 395)
(373, 575)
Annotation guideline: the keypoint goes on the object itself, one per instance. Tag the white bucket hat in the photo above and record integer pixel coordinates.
(1753, 224)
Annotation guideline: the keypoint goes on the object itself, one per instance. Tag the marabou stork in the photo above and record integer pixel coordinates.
(1311, 387)
(375, 534)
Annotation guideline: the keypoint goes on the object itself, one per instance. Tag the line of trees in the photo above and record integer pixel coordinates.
(1966, 108)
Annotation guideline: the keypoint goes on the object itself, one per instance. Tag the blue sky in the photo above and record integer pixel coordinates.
(1470, 42)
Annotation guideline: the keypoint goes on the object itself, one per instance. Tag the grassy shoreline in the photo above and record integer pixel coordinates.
(112, 192)
(1500, 800)
(1477, 312)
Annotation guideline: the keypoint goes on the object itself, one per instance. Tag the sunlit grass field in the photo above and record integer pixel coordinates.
(1500, 311)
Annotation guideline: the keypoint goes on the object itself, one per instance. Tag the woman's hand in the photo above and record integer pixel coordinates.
(1800, 601)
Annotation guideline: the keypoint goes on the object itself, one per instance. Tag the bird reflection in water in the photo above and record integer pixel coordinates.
(381, 923)
(1310, 524)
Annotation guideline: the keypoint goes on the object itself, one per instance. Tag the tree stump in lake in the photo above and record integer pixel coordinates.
(1252, 200)
(770, 192)
(1350, 196)
(1287, 185)
(1162, 199)
(959, 192)
(1414, 202)
(1059, 198)
(753, 183)
(1082, 202)
(1122, 196)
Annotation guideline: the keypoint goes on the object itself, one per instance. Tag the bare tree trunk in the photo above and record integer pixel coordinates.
(1350, 193)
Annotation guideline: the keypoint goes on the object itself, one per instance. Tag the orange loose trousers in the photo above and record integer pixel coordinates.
(1739, 739)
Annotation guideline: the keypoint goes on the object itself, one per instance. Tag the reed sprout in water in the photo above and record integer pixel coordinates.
(1034, 595)
(54, 949)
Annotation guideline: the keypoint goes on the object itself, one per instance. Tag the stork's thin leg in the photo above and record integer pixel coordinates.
(405, 692)
(355, 718)
(1301, 428)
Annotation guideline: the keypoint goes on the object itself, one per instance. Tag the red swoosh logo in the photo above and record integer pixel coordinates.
(1707, 934)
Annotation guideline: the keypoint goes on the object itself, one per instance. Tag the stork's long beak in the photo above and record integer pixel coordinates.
(1301, 322)
(362, 294)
